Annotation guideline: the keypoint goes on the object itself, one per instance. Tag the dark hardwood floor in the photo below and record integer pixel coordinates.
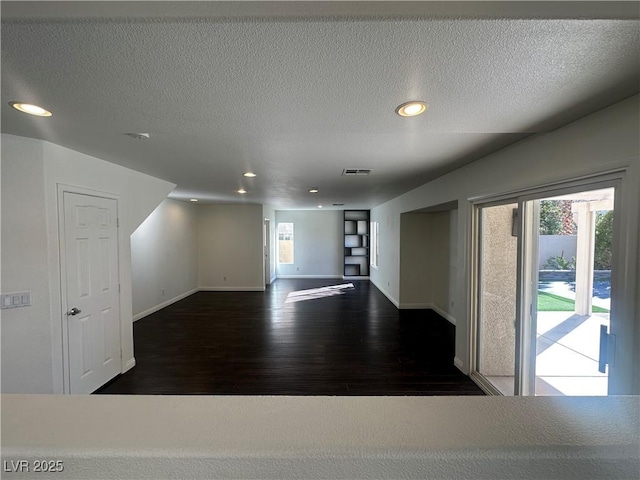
(254, 343)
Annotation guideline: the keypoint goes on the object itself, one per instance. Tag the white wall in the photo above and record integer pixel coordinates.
(37, 168)
(230, 246)
(204, 437)
(604, 141)
(318, 243)
(636, 341)
(164, 257)
(425, 261)
(453, 266)
(439, 244)
(26, 332)
(416, 285)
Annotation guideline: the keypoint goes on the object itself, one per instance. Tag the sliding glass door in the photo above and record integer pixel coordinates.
(545, 288)
(568, 270)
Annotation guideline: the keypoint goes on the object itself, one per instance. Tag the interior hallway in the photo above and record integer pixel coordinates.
(340, 341)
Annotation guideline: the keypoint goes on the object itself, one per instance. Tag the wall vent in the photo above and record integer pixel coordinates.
(356, 171)
(338, 204)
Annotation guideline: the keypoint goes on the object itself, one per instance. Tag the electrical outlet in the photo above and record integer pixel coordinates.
(224, 279)
(163, 292)
(297, 269)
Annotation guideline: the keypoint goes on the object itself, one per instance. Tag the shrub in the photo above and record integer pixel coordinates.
(558, 262)
(604, 231)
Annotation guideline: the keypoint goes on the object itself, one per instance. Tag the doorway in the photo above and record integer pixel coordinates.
(545, 275)
(267, 251)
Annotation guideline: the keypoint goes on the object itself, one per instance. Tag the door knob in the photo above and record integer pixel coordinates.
(74, 311)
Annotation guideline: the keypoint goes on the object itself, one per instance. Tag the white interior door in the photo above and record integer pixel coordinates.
(92, 291)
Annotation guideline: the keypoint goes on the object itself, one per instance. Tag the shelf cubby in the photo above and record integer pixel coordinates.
(352, 241)
(350, 227)
(352, 270)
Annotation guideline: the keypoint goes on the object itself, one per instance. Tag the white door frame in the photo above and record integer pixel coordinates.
(623, 283)
(64, 308)
(267, 251)
(618, 325)
(475, 285)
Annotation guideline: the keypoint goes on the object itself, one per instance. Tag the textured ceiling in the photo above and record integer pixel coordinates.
(298, 98)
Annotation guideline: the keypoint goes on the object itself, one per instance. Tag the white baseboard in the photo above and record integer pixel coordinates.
(354, 277)
(160, 306)
(231, 289)
(444, 314)
(415, 306)
(458, 364)
(431, 306)
(129, 364)
(486, 386)
(275, 277)
(386, 294)
(310, 276)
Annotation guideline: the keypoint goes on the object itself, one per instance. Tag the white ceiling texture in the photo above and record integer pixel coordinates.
(298, 91)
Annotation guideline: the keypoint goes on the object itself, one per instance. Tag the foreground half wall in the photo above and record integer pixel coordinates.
(324, 437)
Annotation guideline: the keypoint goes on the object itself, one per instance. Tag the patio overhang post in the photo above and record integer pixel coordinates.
(585, 215)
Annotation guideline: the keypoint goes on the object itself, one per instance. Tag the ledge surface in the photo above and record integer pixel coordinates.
(323, 437)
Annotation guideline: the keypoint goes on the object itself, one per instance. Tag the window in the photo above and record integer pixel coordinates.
(374, 244)
(285, 243)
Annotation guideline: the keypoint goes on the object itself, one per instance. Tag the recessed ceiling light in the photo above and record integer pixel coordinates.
(411, 109)
(31, 109)
(319, 206)
(249, 174)
(314, 190)
(242, 190)
(193, 199)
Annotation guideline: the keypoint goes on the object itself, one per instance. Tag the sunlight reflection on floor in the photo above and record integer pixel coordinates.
(315, 293)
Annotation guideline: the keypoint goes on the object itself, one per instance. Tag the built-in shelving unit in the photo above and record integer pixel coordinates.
(356, 243)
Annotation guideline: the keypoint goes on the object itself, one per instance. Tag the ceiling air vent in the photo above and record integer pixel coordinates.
(338, 204)
(138, 136)
(356, 171)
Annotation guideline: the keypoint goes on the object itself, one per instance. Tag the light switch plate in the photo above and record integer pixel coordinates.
(15, 300)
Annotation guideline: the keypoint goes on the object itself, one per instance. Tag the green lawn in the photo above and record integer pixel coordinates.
(548, 302)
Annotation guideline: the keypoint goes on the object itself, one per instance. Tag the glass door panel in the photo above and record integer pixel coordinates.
(570, 292)
(497, 296)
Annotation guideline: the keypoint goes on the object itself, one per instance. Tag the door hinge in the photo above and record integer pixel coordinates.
(118, 288)
(117, 223)
(607, 349)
